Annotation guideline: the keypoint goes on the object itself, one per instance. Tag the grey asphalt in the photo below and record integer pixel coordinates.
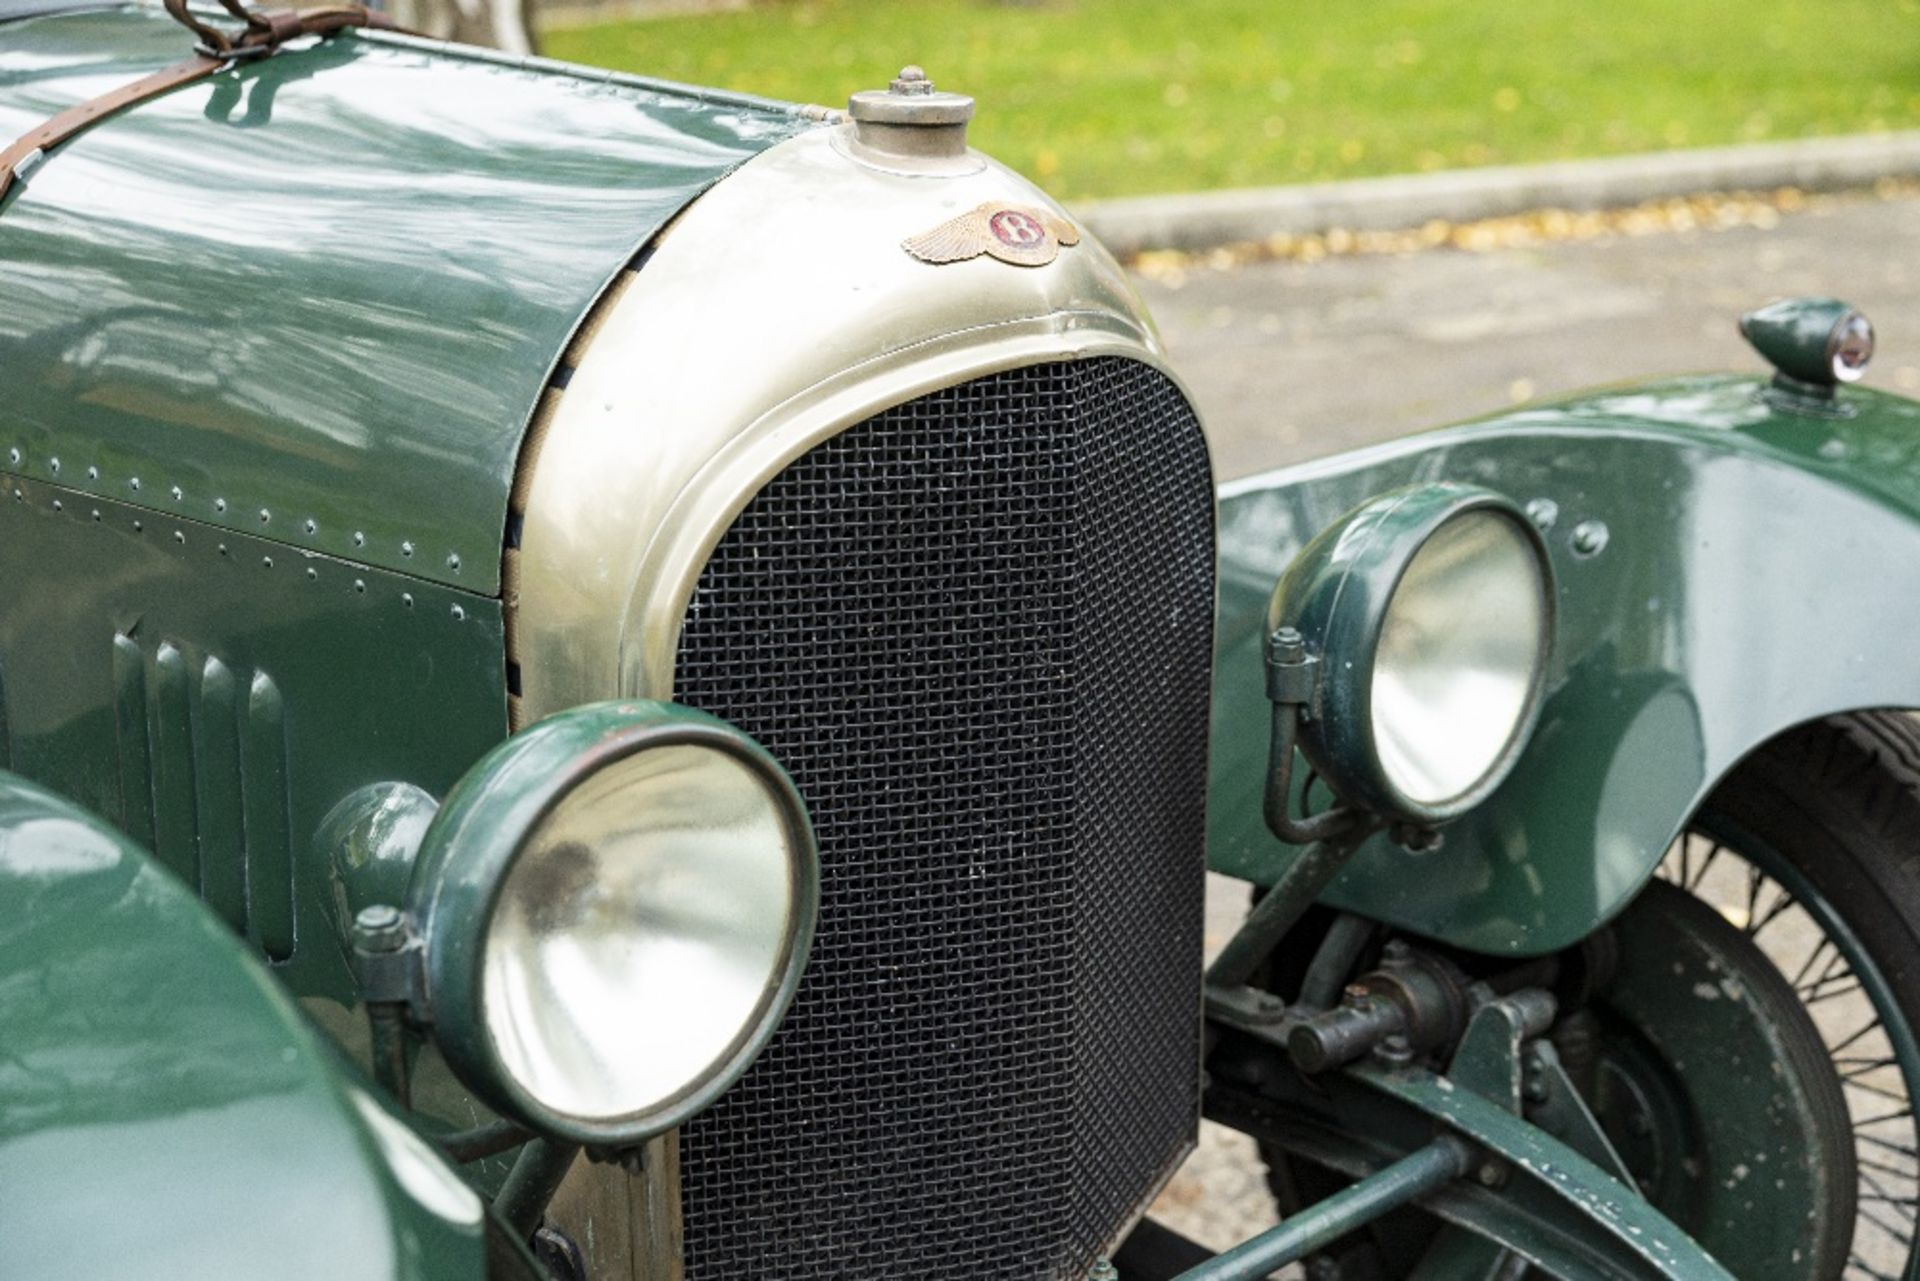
(1293, 360)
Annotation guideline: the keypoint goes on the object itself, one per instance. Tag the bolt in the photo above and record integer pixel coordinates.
(1491, 1174)
(912, 82)
(1537, 1091)
(1396, 1051)
(1355, 994)
(379, 927)
(1415, 838)
(1103, 1270)
(1287, 646)
(1589, 538)
(1396, 952)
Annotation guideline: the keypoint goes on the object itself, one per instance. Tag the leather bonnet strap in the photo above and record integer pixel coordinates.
(76, 118)
(264, 34)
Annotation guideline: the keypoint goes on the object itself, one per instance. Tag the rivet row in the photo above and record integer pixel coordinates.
(311, 526)
(457, 612)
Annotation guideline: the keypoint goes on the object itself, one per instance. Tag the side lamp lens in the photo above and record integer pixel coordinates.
(1852, 348)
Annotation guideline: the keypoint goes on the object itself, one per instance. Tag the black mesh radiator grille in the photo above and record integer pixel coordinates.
(977, 629)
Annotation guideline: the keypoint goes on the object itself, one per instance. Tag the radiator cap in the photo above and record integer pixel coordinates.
(910, 120)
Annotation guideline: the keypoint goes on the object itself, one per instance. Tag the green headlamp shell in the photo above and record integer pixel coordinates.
(1337, 594)
(487, 822)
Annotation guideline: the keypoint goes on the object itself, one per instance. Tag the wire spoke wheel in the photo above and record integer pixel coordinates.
(1869, 1041)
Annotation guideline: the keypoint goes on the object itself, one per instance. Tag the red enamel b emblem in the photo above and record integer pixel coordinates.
(1015, 229)
(1014, 234)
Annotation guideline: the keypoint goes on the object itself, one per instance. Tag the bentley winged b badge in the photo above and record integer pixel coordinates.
(1016, 234)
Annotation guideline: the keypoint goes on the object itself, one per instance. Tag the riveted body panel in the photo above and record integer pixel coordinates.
(312, 298)
(216, 695)
(1725, 570)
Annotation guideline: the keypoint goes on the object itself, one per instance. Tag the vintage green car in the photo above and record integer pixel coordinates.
(601, 679)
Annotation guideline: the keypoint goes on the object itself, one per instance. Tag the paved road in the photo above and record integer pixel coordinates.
(1292, 361)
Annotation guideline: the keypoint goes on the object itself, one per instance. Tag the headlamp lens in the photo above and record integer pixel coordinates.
(1459, 656)
(641, 933)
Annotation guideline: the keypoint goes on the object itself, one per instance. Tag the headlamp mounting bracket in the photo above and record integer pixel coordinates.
(1293, 674)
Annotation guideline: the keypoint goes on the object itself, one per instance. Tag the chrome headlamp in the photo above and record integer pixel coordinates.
(1429, 615)
(616, 907)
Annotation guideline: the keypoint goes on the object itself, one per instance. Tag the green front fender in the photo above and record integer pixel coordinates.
(165, 1111)
(1759, 569)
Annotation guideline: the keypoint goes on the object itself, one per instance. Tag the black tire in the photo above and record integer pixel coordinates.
(1835, 805)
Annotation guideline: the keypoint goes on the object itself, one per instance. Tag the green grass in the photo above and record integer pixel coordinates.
(1114, 97)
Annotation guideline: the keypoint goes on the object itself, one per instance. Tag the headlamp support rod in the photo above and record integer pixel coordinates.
(1293, 684)
(1293, 687)
(386, 960)
(1329, 838)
